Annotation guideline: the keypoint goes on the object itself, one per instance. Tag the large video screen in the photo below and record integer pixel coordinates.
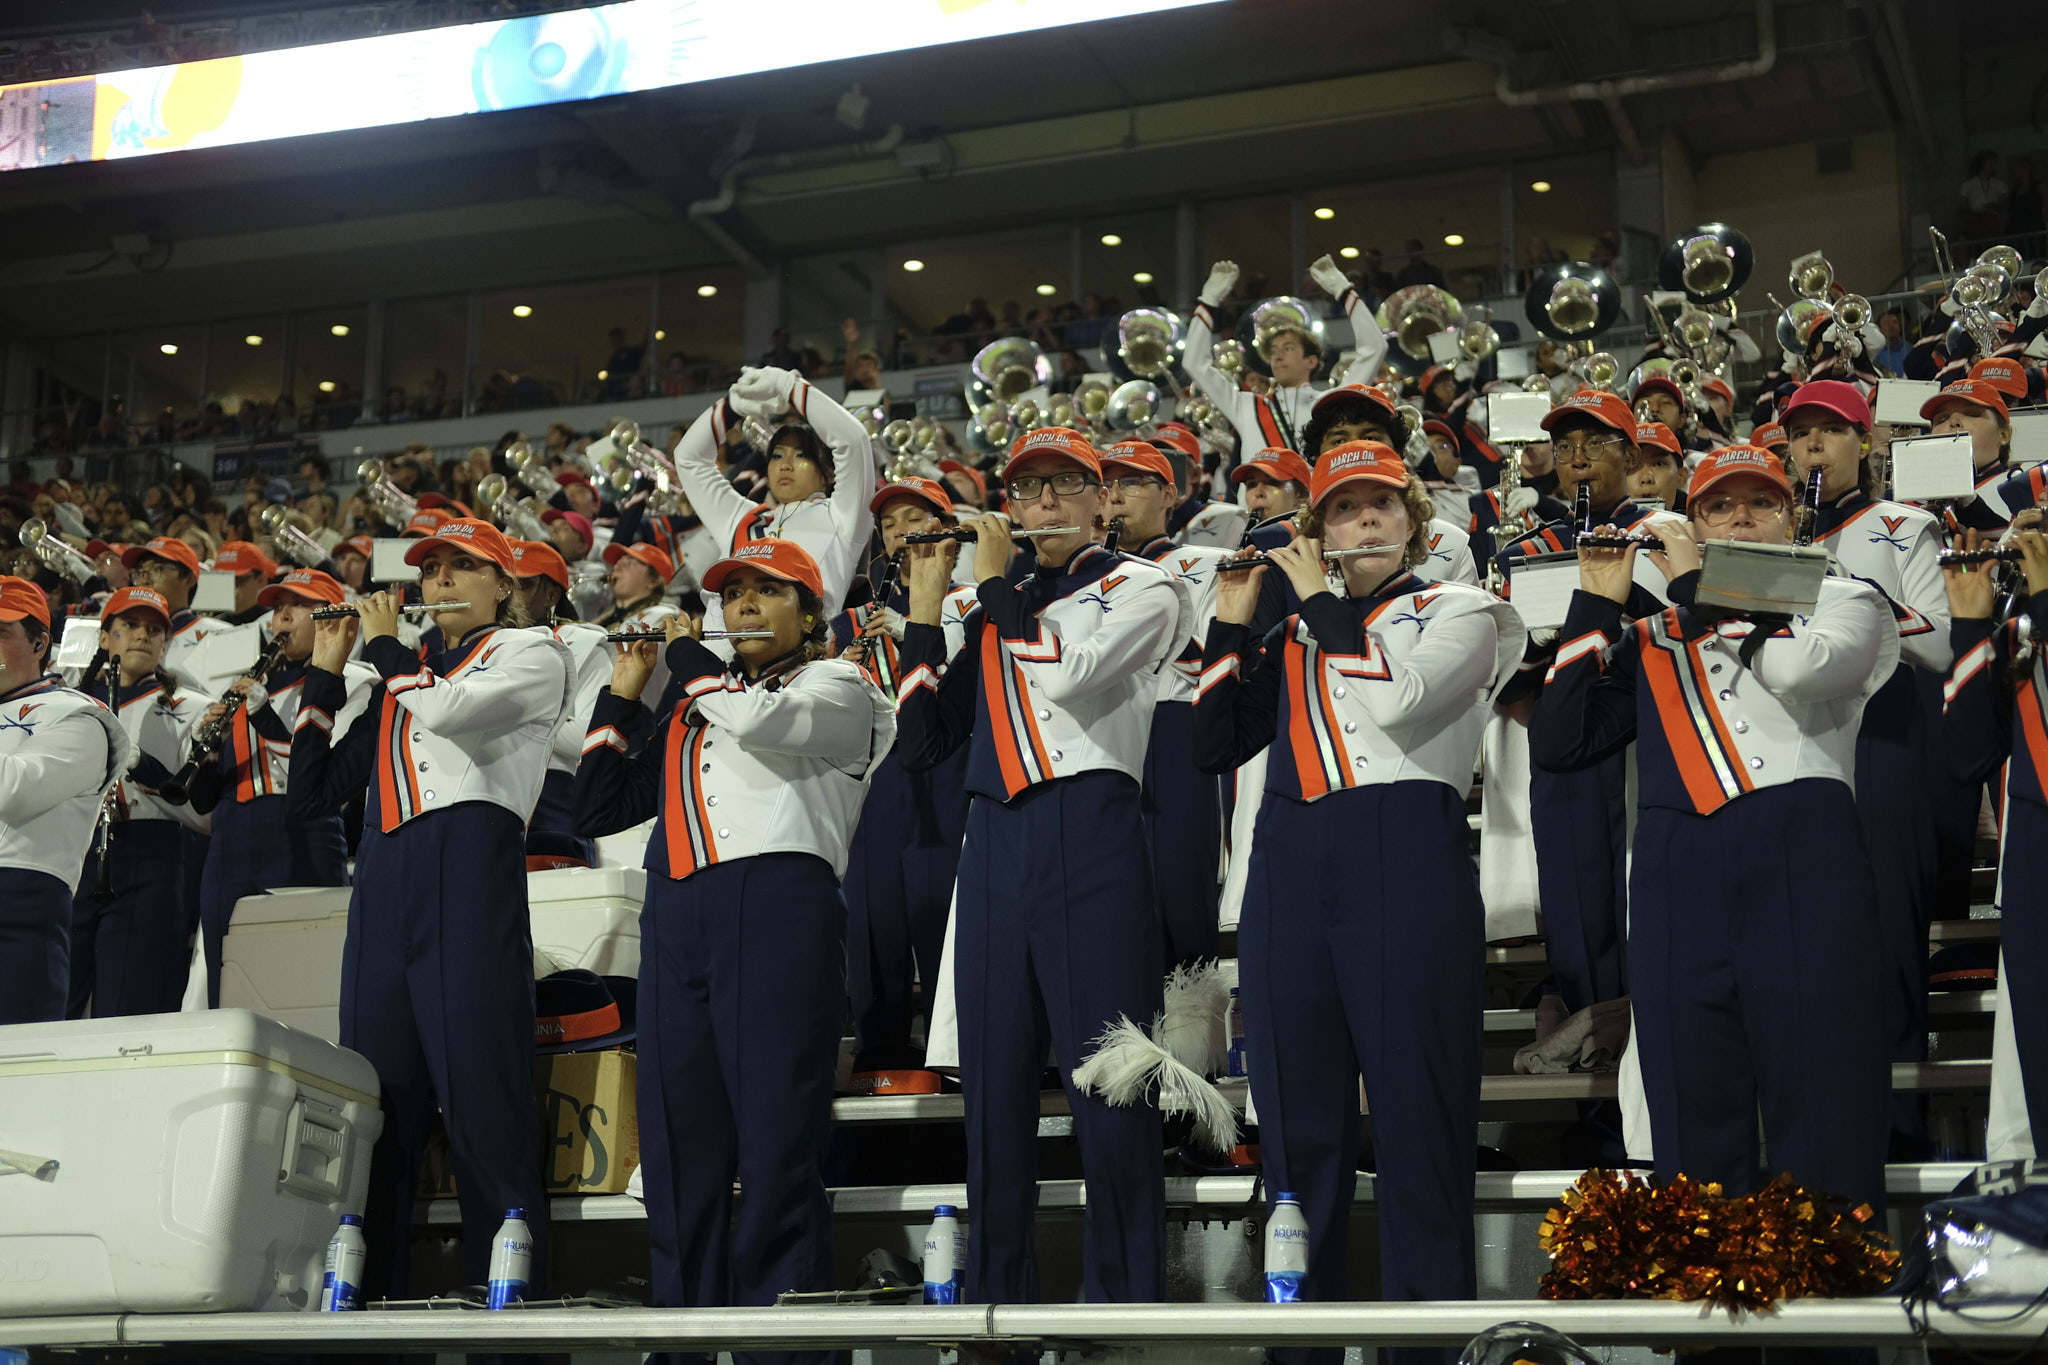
(500, 64)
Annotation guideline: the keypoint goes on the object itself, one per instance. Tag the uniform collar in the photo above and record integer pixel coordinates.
(1154, 548)
(49, 682)
(1399, 585)
(1185, 513)
(775, 673)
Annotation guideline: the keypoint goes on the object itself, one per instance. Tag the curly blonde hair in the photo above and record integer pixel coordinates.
(1415, 500)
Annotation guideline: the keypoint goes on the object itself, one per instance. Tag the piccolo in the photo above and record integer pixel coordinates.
(634, 637)
(1593, 541)
(409, 609)
(2000, 554)
(1255, 561)
(967, 537)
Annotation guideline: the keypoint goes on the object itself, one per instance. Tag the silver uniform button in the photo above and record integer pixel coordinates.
(1336, 691)
(1715, 669)
(710, 800)
(705, 768)
(1057, 755)
(1358, 762)
(1045, 715)
(1350, 727)
(725, 834)
(1727, 695)
(1756, 763)
(423, 767)
(417, 737)
(1741, 727)
(427, 795)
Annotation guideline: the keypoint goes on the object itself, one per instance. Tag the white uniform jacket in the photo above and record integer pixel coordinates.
(60, 753)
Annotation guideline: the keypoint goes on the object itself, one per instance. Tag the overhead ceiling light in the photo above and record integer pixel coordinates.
(913, 266)
(1348, 252)
(1454, 239)
(1142, 277)
(253, 340)
(522, 311)
(168, 349)
(327, 386)
(1540, 186)
(1048, 289)
(604, 374)
(340, 329)
(660, 335)
(1111, 239)
(705, 291)
(1326, 213)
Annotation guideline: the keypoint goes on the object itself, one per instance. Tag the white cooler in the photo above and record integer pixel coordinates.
(587, 917)
(183, 1163)
(282, 957)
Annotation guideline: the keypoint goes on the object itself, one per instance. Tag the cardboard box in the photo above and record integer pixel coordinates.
(589, 1127)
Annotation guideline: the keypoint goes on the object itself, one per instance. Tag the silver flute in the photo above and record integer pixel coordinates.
(409, 609)
(629, 637)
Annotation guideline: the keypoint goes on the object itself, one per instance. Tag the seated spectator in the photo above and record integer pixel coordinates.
(622, 367)
(1984, 198)
(781, 354)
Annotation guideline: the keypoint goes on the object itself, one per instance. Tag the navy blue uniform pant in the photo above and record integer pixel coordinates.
(1361, 953)
(130, 953)
(2024, 870)
(35, 946)
(1894, 802)
(256, 847)
(899, 883)
(552, 832)
(1058, 936)
(1579, 822)
(437, 992)
(1757, 980)
(1183, 809)
(740, 983)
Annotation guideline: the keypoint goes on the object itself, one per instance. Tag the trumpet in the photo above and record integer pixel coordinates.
(409, 609)
(54, 551)
(1694, 328)
(635, 637)
(1990, 554)
(495, 493)
(1811, 276)
(386, 496)
(1600, 369)
(1852, 313)
(623, 435)
(967, 537)
(1477, 339)
(531, 469)
(277, 524)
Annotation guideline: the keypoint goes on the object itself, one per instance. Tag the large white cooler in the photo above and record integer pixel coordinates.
(282, 957)
(587, 917)
(201, 1163)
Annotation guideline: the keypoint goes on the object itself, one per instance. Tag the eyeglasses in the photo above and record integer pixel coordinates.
(1027, 487)
(1598, 447)
(1722, 506)
(1137, 483)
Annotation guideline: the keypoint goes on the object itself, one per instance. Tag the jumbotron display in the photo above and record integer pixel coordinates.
(477, 68)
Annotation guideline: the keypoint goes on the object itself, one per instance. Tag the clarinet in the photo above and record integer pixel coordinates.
(104, 882)
(1582, 511)
(1807, 518)
(1116, 533)
(207, 740)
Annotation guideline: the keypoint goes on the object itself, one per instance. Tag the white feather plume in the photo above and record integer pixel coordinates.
(1195, 1023)
(1129, 1067)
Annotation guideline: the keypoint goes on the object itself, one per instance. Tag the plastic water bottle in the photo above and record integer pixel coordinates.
(511, 1260)
(1286, 1250)
(1236, 1063)
(341, 1284)
(945, 1252)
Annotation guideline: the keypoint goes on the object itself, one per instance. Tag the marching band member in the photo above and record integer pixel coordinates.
(1358, 413)
(1973, 408)
(906, 849)
(825, 510)
(257, 843)
(638, 580)
(437, 971)
(1362, 932)
(1197, 518)
(756, 778)
(1278, 418)
(1749, 866)
(1994, 718)
(1579, 818)
(1055, 927)
(169, 567)
(352, 557)
(128, 948)
(1892, 547)
(543, 588)
(252, 570)
(1451, 483)
(1183, 807)
(1660, 472)
(60, 752)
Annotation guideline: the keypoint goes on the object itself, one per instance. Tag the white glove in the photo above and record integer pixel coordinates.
(1327, 275)
(1845, 343)
(891, 622)
(2039, 307)
(1463, 372)
(1516, 501)
(1873, 340)
(762, 391)
(1950, 306)
(1216, 288)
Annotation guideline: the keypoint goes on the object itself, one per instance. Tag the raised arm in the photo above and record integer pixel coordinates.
(1369, 343)
(711, 494)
